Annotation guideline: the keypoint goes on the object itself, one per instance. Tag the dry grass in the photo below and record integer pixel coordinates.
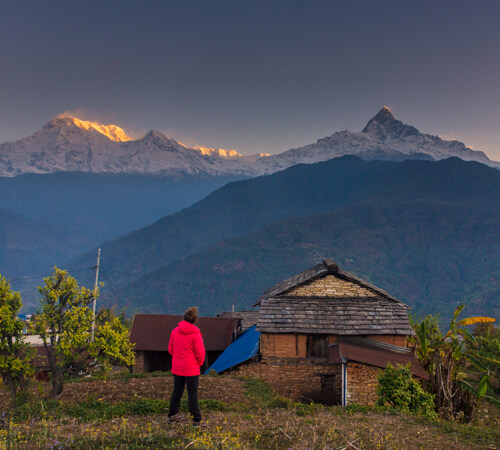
(247, 422)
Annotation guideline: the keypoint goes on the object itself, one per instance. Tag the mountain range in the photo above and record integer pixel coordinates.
(405, 213)
(69, 144)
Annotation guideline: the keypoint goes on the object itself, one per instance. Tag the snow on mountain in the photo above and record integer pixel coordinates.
(384, 137)
(69, 144)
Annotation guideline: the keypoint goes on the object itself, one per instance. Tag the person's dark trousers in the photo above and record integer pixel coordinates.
(192, 388)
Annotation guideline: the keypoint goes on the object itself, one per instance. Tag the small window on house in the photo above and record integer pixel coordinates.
(317, 346)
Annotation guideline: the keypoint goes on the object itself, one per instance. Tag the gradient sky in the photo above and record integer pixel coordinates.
(255, 76)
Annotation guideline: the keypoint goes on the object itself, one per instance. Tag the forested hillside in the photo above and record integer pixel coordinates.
(428, 232)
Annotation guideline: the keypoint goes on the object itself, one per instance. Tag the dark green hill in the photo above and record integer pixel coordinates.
(449, 180)
(430, 254)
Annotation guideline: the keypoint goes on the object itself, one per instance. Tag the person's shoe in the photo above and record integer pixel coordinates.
(175, 418)
(200, 423)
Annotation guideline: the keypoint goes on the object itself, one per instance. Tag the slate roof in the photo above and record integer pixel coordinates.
(362, 315)
(318, 271)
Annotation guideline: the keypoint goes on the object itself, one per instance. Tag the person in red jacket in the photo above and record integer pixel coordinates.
(188, 354)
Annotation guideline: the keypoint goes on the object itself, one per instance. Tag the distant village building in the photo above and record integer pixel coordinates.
(324, 335)
(151, 333)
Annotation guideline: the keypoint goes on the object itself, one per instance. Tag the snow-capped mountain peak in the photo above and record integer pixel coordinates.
(69, 144)
(384, 115)
(111, 131)
(385, 127)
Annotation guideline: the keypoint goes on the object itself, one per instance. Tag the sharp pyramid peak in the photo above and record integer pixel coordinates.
(384, 126)
(384, 115)
(385, 112)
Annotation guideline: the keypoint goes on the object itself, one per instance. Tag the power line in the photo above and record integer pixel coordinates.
(45, 275)
(110, 283)
(195, 285)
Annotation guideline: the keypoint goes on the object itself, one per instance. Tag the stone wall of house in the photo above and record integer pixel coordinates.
(361, 384)
(331, 286)
(286, 345)
(140, 362)
(284, 365)
(300, 379)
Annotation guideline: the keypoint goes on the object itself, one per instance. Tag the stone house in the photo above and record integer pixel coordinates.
(325, 335)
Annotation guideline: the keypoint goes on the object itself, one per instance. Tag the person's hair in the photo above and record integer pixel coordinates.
(191, 314)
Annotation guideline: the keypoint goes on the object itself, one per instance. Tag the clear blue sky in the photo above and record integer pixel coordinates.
(254, 76)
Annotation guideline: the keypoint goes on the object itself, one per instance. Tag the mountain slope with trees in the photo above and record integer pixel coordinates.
(429, 254)
(237, 209)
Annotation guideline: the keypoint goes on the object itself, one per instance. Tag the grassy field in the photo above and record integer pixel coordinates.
(131, 412)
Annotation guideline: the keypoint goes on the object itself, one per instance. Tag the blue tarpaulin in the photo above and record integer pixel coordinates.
(246, 346)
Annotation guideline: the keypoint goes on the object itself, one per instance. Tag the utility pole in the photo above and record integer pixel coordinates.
(95, 290)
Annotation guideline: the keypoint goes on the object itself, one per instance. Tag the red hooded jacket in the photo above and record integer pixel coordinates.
(187, 349)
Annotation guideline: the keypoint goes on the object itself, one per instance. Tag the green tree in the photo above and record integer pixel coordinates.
(447, 358)
(15, 354)
(65, 323)
(112, 345)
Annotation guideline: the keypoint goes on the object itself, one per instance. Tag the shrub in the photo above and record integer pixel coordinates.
(397, 388)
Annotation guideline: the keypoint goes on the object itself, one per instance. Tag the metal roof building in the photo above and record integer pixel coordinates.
(151, 333)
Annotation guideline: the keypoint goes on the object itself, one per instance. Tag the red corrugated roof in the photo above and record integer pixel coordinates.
(151, 332)
(344, 351)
